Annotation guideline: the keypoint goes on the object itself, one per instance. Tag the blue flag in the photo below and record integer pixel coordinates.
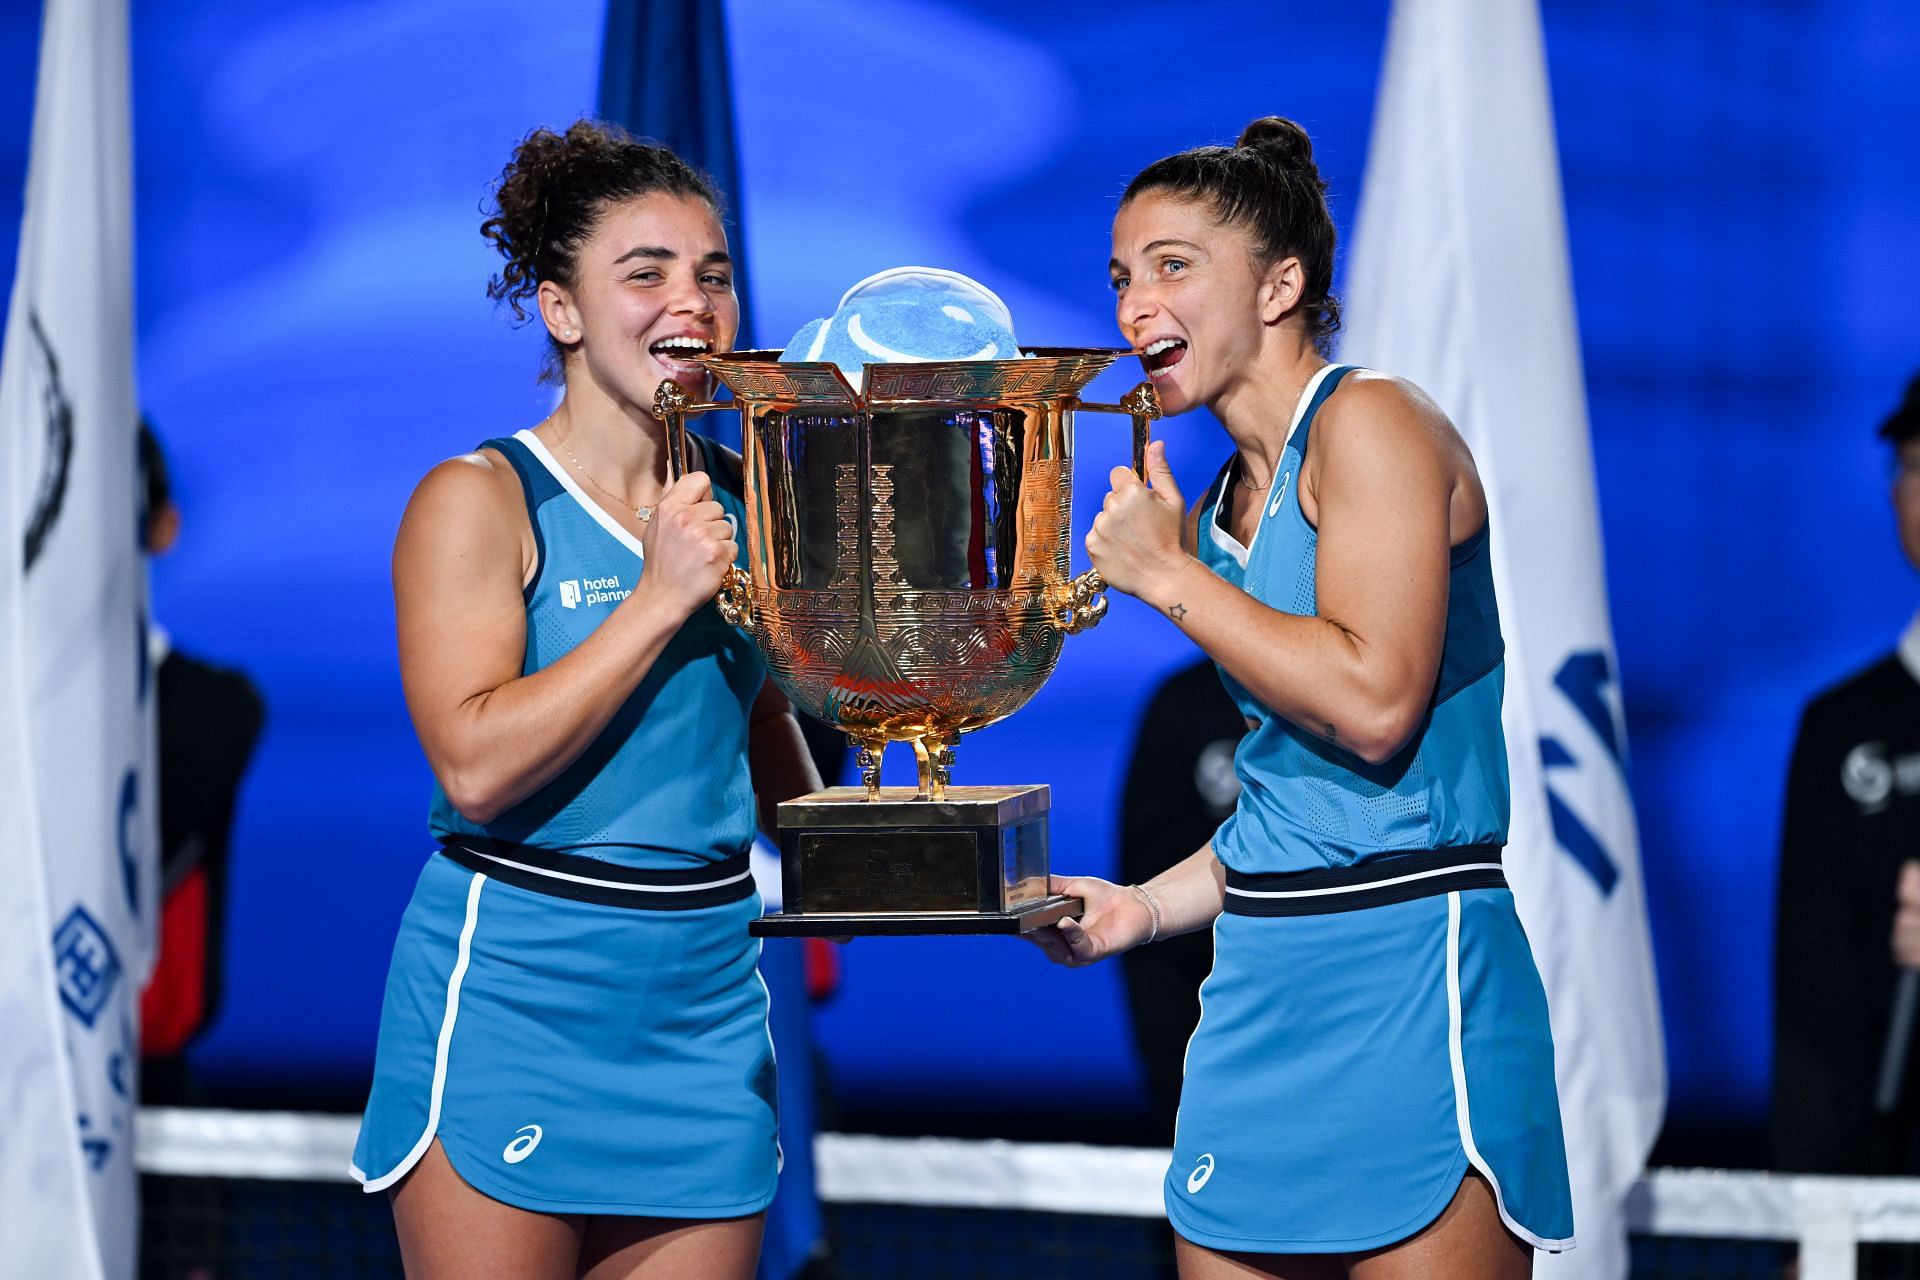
(664, 75)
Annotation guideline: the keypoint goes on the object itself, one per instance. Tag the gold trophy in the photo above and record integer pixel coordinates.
(909, 582)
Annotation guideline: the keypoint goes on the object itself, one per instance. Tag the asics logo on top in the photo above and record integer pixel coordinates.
(1280, 494)
(522, 1147)
(575, 592)
(1202, 1170)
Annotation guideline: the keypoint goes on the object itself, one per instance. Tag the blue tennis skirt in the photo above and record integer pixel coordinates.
(575, 1057)
(1350, 1068)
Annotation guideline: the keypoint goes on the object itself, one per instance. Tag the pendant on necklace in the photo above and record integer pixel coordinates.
(643, 514)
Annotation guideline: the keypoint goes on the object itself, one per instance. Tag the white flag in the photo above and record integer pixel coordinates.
(1458, 280)
(76, 743)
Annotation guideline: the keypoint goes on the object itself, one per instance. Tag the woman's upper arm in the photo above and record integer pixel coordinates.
(458, 565)
(1383, 481)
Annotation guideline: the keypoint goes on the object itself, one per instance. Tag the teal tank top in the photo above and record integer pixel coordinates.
(666, 784)
(1306, 803)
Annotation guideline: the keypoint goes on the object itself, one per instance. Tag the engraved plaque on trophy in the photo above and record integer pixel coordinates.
(909, 581)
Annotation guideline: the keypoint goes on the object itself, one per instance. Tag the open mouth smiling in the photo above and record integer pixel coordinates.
(680, 349)
(1162, 354)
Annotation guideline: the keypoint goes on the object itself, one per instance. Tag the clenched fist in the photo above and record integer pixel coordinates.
(688, 544)
(1135, 540)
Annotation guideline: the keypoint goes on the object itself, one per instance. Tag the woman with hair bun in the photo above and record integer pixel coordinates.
(574, 1075)
(1370, 1092)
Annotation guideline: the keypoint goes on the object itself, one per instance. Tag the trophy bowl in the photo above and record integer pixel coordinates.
(908, 580)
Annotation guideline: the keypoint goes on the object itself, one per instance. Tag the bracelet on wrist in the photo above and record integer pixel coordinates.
(1153, 909)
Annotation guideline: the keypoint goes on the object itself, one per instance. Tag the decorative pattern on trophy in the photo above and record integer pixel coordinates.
(909, 581)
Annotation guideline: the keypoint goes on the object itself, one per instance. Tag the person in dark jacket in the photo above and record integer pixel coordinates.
(209, 718)
(1849, 904)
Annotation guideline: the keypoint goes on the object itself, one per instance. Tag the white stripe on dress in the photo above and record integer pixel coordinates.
(609, 884)
(600, 517)
(1457, 1057)
(440, 1051)
(1363, 888)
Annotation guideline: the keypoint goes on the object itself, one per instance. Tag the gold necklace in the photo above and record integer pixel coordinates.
(1245, 483)
(642, 514)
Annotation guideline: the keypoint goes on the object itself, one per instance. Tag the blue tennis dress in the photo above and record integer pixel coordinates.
(1374, 1026)
(574, 1007)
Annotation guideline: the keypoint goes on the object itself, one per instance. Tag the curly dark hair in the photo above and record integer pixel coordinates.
(1268, 185)
(550, 198)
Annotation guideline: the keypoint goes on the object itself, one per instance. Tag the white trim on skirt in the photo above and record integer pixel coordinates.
(1457, 1057)
(773, 1055)
(440, 1052)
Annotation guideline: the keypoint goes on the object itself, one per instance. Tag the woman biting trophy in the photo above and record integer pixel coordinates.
(1370, 1092)
(574, 1075)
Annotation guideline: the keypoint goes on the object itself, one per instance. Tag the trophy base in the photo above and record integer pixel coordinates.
(913, 924)
(972, 862)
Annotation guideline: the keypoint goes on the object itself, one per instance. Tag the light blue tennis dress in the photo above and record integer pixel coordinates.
(1374, 1026)
(574, 1007)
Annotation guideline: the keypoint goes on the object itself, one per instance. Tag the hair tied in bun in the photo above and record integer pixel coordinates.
(1268, 186)
(1281, 140)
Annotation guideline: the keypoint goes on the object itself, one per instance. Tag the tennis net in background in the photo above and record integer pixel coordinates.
(266, 1196)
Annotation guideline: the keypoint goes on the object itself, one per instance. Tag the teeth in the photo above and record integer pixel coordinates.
(1164, 344)
(680, 344)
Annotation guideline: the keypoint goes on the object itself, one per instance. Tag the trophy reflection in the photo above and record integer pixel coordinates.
(909, 581)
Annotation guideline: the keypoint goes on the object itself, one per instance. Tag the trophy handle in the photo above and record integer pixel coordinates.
(1082, 602)
(734, 599)
(671, 406)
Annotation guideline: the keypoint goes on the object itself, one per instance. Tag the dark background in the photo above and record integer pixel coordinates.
(1744, 216)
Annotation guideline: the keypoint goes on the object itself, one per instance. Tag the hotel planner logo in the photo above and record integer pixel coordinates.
(575, 592)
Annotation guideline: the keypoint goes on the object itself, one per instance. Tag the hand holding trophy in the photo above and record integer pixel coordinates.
(908, 528)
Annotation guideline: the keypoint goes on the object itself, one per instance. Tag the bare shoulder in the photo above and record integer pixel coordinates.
(1387, 427)
(1376, 416)
(1379, 408)
(480, 483)
(469, 502)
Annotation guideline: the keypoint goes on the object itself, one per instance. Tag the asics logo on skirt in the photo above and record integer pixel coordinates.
(522, 1147)
(1202, 1170)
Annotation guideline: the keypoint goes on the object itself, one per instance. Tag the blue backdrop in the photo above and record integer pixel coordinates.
(1743, 213)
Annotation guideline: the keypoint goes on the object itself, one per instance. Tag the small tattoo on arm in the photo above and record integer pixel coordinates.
(1177, 611)
(1331, 734)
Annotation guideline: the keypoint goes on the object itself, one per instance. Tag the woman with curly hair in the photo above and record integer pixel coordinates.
(574, 1074)
(1370, 1091)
